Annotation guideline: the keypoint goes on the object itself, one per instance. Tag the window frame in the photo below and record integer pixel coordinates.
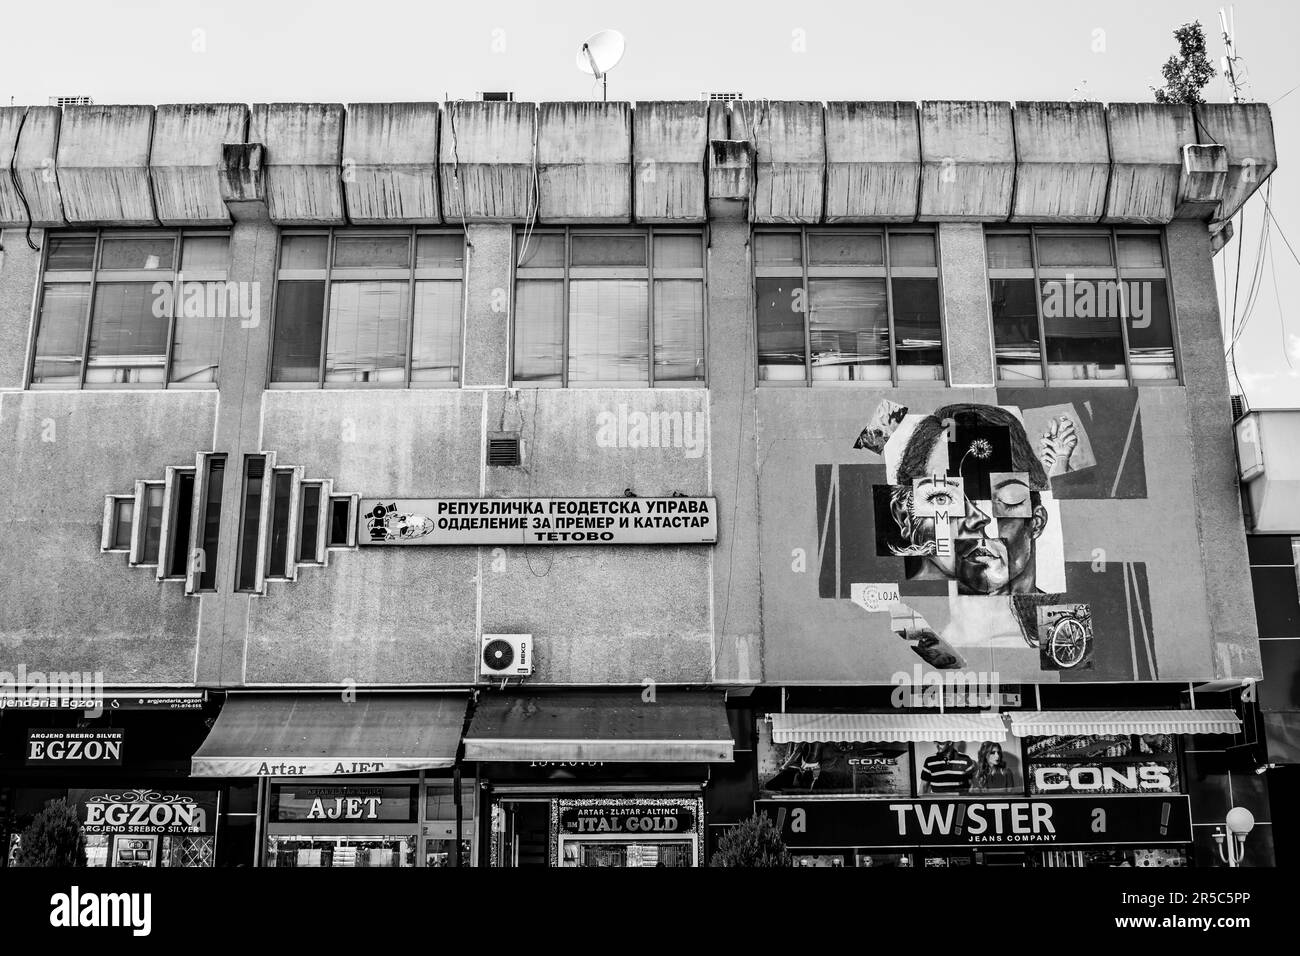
(331, 274)
(107, 539)
(886, 271)
(93, 278)
(1115, 272)
(566, 273)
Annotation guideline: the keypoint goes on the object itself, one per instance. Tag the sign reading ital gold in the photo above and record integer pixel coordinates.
(507, 521)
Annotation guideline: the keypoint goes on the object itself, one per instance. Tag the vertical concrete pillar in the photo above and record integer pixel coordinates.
(20, 269)
(1214, 465)
(967, 323)
(737, 622)
(488, 297)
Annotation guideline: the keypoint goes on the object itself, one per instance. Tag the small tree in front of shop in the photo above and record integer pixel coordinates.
(53, 838)
(753, 842)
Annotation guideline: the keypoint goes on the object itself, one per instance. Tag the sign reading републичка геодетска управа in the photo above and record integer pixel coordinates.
(514, 521)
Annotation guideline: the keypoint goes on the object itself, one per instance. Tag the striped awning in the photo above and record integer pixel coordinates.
(864, 728)
(1044, 723)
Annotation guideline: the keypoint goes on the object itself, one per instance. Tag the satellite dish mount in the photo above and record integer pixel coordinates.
(599, 54)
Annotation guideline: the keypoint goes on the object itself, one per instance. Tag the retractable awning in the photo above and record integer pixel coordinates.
(1044, 723)
(613, 727)
(863, 728)
(277, 735)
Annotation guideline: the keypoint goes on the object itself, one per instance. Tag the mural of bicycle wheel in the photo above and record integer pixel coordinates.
(1064, 636)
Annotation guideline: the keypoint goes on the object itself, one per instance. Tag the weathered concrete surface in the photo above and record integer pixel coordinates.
(789, 158)
(390, 163)
(185, 162)
(303, 145)
(1062, 162)
(18, 280)
(967, 336)
(1201, 185)
(873, 162)
(584, 162)
(103, 165)
(242, 180)
(34, 165)
(1146, 141)
(488, 290)
(486, 159)
(968, 160)
(669, 141)
(731, 178)
(1246, 129)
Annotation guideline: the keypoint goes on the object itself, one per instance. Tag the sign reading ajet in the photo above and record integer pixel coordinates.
(514, 521)
(75, 748)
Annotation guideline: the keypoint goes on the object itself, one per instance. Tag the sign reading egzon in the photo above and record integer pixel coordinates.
(512, 521)
(70, 747)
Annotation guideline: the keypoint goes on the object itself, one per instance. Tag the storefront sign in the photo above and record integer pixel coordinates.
(635, 818)
(1092, 763)
(514, 521)
(75, 748)
(345, 804)
(145, 811)
(1012, 822)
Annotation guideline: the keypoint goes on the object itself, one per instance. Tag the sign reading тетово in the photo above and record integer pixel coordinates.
(512, 521)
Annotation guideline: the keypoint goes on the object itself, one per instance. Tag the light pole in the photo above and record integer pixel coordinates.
(1232, 845)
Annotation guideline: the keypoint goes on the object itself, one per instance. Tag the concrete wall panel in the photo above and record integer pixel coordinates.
(390, 163)
(1062, 162)
(185, 162)
(873, 162)
(486, 157)
(584, 162)
(103, 165)
(669, 141)
(303, 156)
(789, 158)
(1146, 141)
(968, 156)
(34, 165)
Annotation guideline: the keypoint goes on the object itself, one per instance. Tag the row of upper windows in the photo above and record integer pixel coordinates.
(596, 308)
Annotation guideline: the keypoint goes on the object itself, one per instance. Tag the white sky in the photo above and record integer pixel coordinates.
(128, 51)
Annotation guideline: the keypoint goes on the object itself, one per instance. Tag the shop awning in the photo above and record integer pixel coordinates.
(613, 727)
(1044, 723)
(864, 728)
(278, 735)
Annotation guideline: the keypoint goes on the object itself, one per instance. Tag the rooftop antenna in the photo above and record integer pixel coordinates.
(1230, 64)
(599, 54)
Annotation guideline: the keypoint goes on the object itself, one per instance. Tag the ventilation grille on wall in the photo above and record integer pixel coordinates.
(723, 97)
(504, 448)
(71, 101)
(497, 96)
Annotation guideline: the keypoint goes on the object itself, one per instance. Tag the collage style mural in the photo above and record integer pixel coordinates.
(949, 535)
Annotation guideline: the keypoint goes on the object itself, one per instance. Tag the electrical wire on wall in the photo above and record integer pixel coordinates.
(528, 467)
(18, 186)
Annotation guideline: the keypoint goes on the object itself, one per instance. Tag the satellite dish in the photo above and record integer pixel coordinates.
(600, 53)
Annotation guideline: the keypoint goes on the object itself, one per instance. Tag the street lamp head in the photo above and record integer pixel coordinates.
(1240, 821)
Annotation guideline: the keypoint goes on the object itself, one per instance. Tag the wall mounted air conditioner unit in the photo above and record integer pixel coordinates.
(506, 655)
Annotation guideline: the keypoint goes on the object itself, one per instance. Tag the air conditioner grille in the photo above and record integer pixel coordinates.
(503, 450)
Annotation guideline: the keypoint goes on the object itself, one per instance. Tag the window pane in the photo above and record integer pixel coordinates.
(1015, 329)
(778, 249)
(1139, 252)
(128, 342)
(679, 252)
(541, 251)
(61, 334)
(372, 252)
(435, 350)
(780, 329)
(1008, 251)
(123, 516)
(196, 352)
(211, 530)
(609, 331)
(303, 252)
(917, 329)
(607, 250)
(679, 331)
(299, 311)
(183, 493)
(912, 250)
(367, 332)
(439, 251)
(281, 490)
(70, 254)
(1074, 251)
(205, 252)
(539, 331)
(137, 253)
(848, 326)
(153, 507)
(1150, 332)
(1081, 321)
(845, 249)
(249, 523)
(340, 520)
(309, 524)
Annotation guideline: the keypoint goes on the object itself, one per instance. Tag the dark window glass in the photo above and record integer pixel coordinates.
(212, 522)
(439, 251)
(303, 252)
(778, 249)
(435, 347)
(183, 492)
(1074, 252)
(281, 491)
(367, 332)
(1139, 252)
(61, 334)
(848, 328)
(679, 330)
(372, 252)
(1009, 251)
(340, 521)
(917, 328)
(123, 517)
(249, 523)
(539, 331)
(541, 251)
(299, 312)
(138, 254)
(1081, 321)
(1150, 332)
(780, 328)
(196, 349)
(609, 334)
(70, 254)
(153, 514)
(1015, 329)
(128, 341)
(309, 524)
(912, 250)
(845, 249)
(607, 251)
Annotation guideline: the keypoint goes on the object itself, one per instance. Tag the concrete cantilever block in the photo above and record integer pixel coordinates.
(390, 163)
(185, 162)
(873, 162)
(1146, 141)
(34, 133)
(485, 160)
(789, 141)
(1062, 162)
(103, 165)
(968, 161)
(303, 153)
(584, 162)
(669, 142)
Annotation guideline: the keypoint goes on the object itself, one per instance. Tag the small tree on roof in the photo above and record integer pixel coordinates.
(1187, 72)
